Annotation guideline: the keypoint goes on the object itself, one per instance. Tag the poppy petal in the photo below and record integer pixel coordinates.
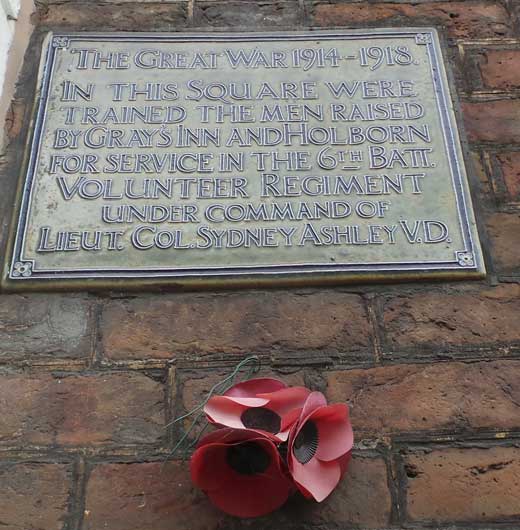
(304, 492)
(227, 435)
(283, 436)
(211, 453)
(252, 498)
(316, 477)
(247, 401)
(287, 399)
(231, 436)
(313, 401)
(252, 387)
(289, 419)
(334, 431)
(226, 411)
(240, 493)
(208, 465)
(288, 422)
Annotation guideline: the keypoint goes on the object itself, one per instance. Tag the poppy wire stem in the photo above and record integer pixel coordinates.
(230, 379)
(196, 440)
(186, 434)
(252, 361)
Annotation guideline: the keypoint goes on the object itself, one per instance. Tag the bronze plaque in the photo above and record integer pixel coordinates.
(214, 158)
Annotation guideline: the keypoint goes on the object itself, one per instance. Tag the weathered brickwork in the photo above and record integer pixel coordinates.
(170, 327)
(133, 496)
(510, 169)
(35, 495)
(89, 383)
(463, 484)
(44, 326)
(462, 19)
(500, 69)
(492, 121)
(450, 397)
(74, 409)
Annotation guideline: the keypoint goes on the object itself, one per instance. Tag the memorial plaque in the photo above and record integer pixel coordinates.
(214, 158)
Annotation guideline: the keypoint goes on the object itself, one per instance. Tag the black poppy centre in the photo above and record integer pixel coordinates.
(261, 418)
(306, 443)
(249, 458)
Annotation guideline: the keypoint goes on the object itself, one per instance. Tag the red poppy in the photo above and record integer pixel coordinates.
(320, 446)
(241, 472)
(265, 405)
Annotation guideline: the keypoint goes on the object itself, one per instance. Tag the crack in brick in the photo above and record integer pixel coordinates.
(480, 470)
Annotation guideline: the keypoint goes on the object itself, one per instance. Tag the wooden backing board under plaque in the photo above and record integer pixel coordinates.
(230, 159)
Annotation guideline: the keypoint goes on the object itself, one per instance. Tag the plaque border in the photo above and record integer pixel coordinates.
(468, 262)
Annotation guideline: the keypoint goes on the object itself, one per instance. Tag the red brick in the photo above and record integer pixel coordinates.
(510, 166)
(246, 14)
(504, 232)
(493, 121)
(80, 410)
(455, 321)
(34, 496)
(464, 485)
(462, 19)
(151, 496)
(443, 396)
(136, 16)
(500, 69)
(478, 169)
(237, 324)
(43, 325)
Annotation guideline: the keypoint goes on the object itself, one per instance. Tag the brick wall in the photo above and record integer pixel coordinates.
(431, 370)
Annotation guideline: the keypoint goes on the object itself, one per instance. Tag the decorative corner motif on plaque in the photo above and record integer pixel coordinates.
(465, 259)
(423, 38)
(60, 42)
(22, 269)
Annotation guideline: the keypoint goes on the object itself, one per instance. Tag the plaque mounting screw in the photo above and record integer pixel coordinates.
(60, 42)
(465, 259)
(423, 38)
(22, 269)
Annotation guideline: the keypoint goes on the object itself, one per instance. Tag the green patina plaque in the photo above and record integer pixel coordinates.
(222, 158)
